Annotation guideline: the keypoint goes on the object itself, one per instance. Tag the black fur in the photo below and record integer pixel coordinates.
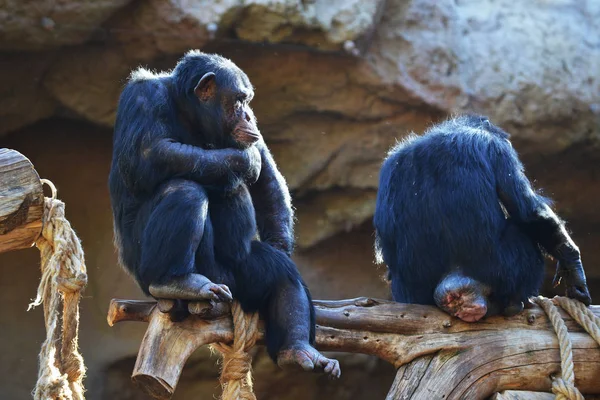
(179, 207)
(458, 197)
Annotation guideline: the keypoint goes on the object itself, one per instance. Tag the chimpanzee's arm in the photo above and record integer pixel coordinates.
(207, 167)
(534, 215)
(271, 199)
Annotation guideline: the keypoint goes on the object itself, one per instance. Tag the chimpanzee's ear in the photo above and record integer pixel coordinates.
(206, 87)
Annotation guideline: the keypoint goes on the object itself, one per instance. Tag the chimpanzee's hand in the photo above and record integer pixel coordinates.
(246, 164)
(574, 278)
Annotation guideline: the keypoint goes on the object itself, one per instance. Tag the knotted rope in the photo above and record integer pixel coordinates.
(63, 277)
(236, 374)
(563, 386)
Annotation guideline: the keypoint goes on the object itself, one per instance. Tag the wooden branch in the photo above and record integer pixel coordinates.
(438, 356)
(21, 202)
(522, 395)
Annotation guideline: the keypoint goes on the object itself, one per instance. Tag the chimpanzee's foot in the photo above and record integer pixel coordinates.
(191, 287)
(216, 292)
(462, 297)
(309, 359)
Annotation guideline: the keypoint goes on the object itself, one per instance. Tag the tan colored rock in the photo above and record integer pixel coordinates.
(23, 99)
(39, 24)
(89, 82)
(321, 152)
(300, 82)
(157, 27)
(533, 67)
(324, 214)
(322, 24)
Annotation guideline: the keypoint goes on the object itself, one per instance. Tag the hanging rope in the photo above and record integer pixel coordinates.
(64, 276)
(236, 374)
(563, 386)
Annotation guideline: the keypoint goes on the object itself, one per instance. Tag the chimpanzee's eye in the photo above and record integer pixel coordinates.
(239, 103)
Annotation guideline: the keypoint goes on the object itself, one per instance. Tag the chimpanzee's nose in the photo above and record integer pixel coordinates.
(247, 117)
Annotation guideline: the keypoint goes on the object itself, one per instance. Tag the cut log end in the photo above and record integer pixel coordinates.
(21, 202)
(129, 310)
(153, 386)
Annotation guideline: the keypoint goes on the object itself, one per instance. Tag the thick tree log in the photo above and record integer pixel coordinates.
(21, 201)
(438, 356)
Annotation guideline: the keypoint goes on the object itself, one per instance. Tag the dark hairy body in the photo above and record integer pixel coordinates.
(200, 209)
(459, 225)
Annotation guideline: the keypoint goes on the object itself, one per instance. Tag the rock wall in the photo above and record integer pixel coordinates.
(337, 82)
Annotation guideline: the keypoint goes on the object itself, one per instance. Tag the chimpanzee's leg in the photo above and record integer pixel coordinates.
(266, 280)
(172, 233)
(269, 281)
(520, 262)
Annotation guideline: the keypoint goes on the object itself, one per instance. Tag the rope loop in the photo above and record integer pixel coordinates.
(52, 187)
(64, 276)
(563, 386)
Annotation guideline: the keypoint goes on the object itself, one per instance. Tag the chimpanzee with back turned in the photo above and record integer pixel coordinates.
(192, 182)
(459, 225)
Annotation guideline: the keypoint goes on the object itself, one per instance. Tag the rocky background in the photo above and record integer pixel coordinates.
(337, 83)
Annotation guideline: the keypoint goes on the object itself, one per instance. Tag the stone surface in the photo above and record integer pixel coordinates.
(40, 24)
(324, 214)
(331, 116)
(80, 78)
(23, 99)
(157, 27)
(533, 67)
(322, 24)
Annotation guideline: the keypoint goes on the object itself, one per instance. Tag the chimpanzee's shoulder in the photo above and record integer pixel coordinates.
(149, 89)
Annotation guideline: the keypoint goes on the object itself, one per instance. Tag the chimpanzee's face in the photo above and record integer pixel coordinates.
(240, 122)
(230, 94)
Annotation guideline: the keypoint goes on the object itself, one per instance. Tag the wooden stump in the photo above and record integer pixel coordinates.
(437, 356)
(21, 202)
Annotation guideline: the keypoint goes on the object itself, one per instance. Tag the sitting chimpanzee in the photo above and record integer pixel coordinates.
(192, 183)
(459, 225)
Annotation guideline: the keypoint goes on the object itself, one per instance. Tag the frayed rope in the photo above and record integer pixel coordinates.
(61, 369)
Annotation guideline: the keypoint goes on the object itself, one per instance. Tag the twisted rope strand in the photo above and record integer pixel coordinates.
(580, 313)
(564, 387)
(63, 278)
(236, 374)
